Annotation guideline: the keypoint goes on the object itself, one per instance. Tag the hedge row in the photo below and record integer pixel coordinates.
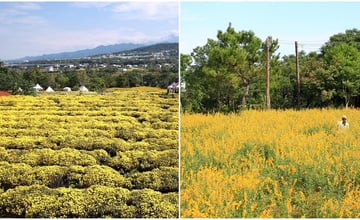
(143, 160)
(123, 161)
(164, 179)
(39, 201)
(111, 145)
(86, 120)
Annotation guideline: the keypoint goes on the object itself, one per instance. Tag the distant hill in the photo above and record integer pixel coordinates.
(154, 48)
(84, 53)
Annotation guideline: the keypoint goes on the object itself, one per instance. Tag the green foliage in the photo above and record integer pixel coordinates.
(224, 71)
(228, 74)
(96, 79)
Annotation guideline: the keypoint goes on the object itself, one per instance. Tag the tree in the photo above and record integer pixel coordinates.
(343, 63)
(31, 74)
(195, 91)
(62, 80)
(97, 84)
(350, 37)
(83, 77)
(227, 67)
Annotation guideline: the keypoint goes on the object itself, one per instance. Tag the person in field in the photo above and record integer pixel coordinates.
(343, 123)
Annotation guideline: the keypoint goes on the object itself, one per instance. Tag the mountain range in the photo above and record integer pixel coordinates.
(102, 49)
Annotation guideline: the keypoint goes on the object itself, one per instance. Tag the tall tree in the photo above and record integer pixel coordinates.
(351, 37)
(229, 66)
(343, 62)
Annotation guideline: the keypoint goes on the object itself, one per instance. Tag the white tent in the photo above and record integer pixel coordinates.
(83, 89)
(67, 89)
(49, 89)
(38, 87)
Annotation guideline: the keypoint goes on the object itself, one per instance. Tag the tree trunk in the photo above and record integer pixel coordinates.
(218, 100)
(268, 103)
(246, 93)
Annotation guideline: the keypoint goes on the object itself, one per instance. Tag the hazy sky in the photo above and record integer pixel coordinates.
(37, 28)
(309, 23)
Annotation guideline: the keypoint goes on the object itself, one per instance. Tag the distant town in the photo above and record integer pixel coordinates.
(154, 66)
(123, 61)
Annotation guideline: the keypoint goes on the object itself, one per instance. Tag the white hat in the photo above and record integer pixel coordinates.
(344, 116)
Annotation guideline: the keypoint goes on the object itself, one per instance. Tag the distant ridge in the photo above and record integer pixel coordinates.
(99, 50)
(84, 53)
(154, 48)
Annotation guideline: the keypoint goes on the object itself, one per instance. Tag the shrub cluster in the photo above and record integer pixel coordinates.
(37, 201)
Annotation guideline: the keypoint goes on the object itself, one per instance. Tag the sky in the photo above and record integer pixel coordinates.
(309, 23)
(37, 28)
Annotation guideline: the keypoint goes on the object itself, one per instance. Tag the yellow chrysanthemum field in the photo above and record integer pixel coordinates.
(261, 164)
(72, 155)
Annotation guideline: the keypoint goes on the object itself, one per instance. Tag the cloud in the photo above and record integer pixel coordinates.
(45, 41)
(136, 10)
(27, 32)
(98, 5)
(27, 6)
(19, 13)
(147, 10)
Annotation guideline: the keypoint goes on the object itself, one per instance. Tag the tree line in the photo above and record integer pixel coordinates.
(228, 74)
(94, 79)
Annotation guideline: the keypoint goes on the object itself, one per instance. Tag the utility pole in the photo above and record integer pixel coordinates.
(268, 104)
(297, 74)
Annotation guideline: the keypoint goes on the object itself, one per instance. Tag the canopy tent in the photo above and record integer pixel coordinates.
(38, 87)
(67, 89)
(83, 89)
(3, 93)
(49, 89)
(173, 87)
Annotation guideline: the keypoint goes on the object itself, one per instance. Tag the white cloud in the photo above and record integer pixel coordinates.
(27, 33)
(18, 14)
(147, 10)
(90, 4)
(45, 41)
(27, 6)
(23, 20)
